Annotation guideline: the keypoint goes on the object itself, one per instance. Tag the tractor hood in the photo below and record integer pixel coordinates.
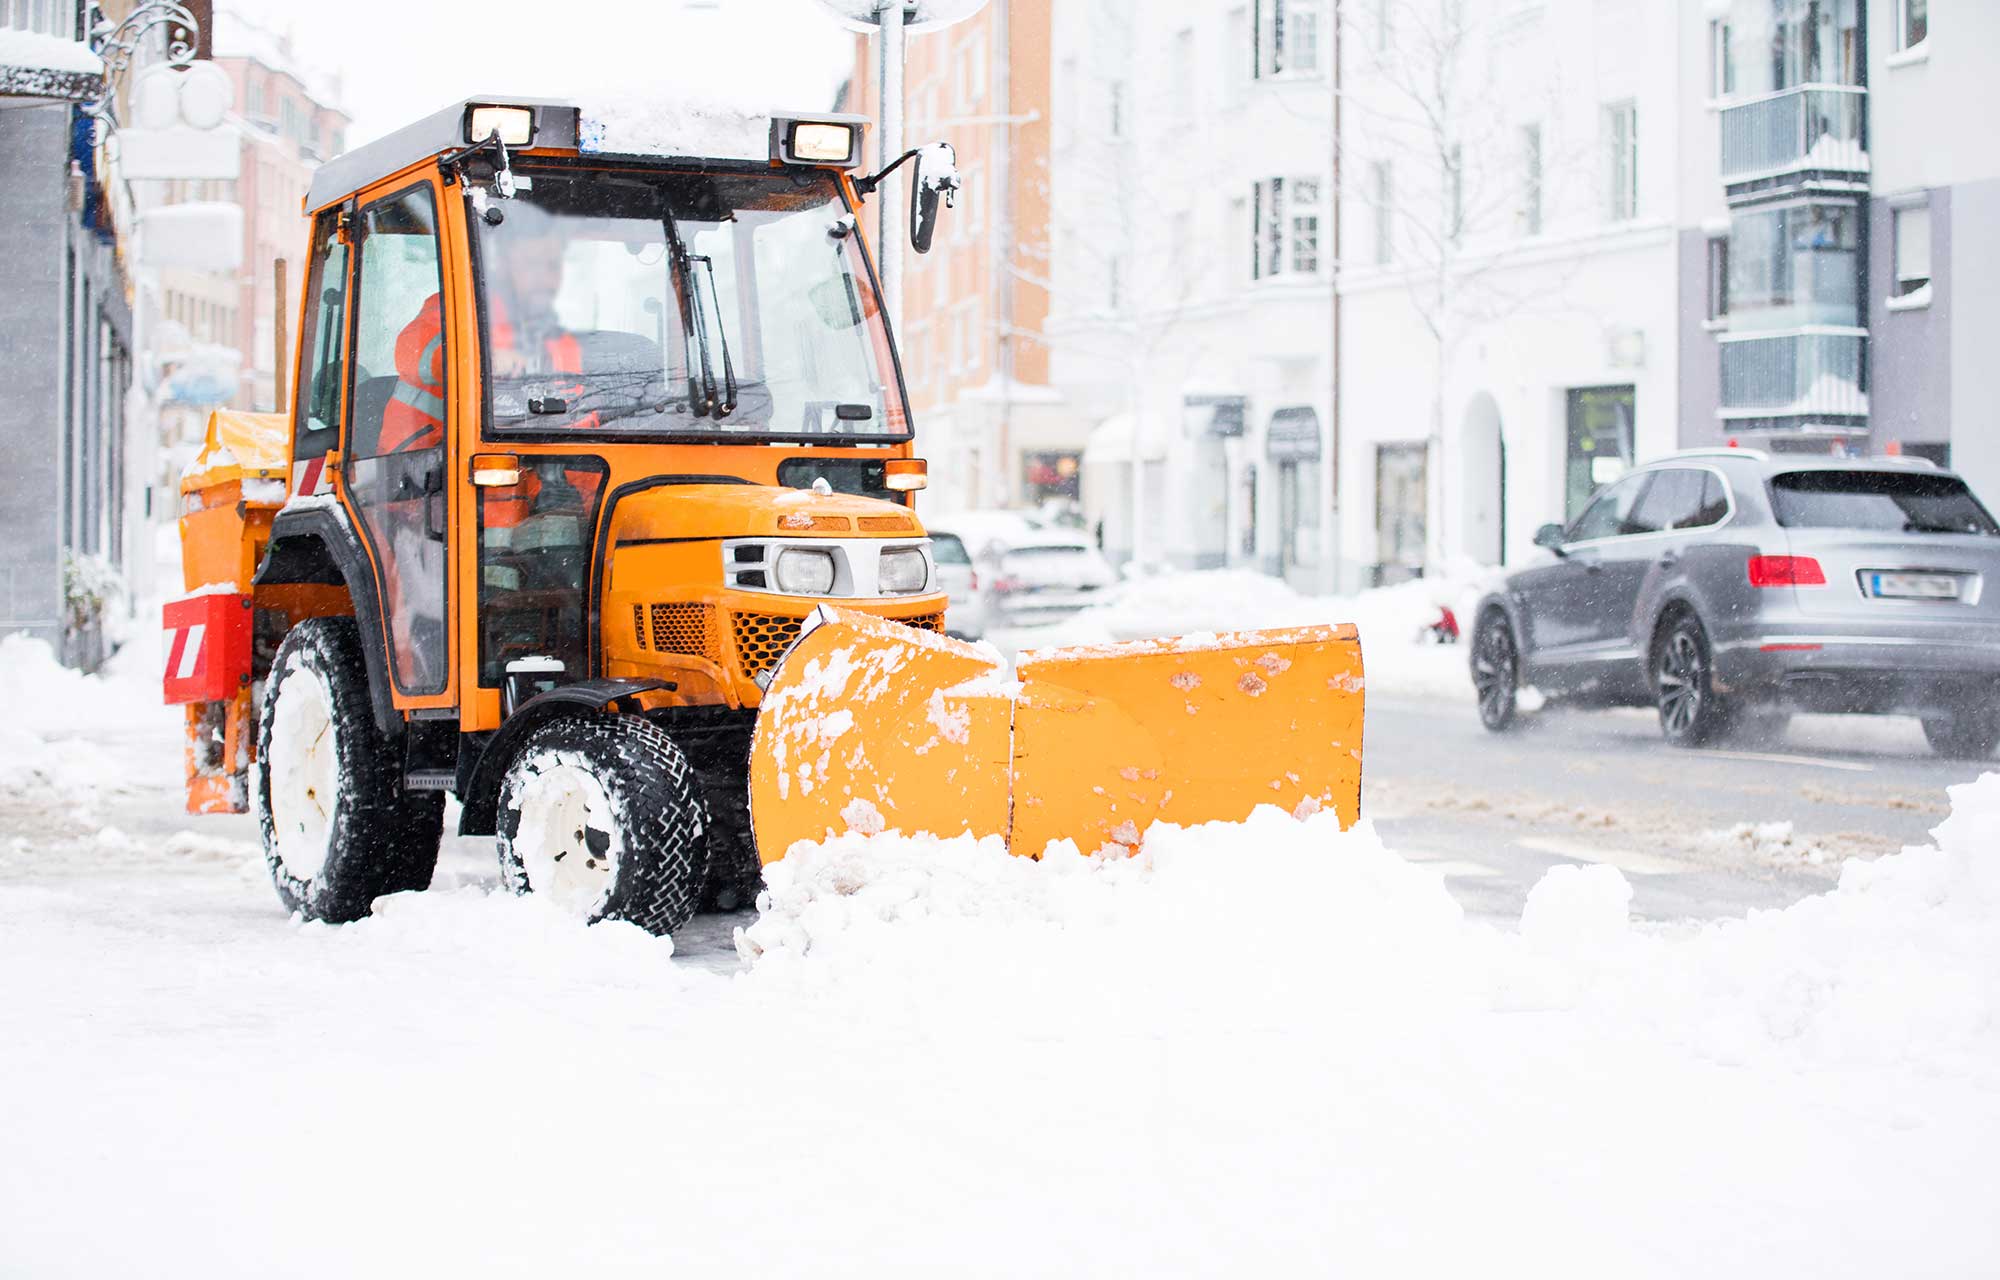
(678, 512)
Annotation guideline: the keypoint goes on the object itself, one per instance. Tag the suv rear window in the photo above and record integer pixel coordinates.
(948, 549)
(1882, 501)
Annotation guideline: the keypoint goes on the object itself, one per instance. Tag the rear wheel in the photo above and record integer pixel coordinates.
(1692, 714)
(604, 816)
(1496, 669)
(340, 829)
(1969, 735)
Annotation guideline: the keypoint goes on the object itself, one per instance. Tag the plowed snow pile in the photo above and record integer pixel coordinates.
(1262, 1049)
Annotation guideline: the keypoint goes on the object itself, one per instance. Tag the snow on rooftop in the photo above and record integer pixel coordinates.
(238, 36)
(638, 125)
(35, 51)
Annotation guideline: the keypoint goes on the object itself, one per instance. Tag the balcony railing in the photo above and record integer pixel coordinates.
(1797, 378)
(1810, 128)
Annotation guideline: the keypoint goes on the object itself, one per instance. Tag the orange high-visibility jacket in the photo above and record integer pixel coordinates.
(414, 418)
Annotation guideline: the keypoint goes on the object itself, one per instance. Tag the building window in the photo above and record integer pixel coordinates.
(1913, 249)
(1384, 29)
(1287, 38)
(1066, 91)
(1182, 96)
(1718, 278)
(1913, 23)
(1621, 142)
(1285, 234)
(1115, 108)
(1240, 230)
(1385, 213)
(1237, 57)
(972, 80)
(1796, 265)
(1531, 179)
(1721, 64)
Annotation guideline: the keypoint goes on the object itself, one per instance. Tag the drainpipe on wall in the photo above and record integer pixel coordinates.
(1001, 77)
(1329, 537)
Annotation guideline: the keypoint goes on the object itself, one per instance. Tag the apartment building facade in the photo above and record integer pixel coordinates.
(1192, 264)
(67, 514)
(973, 310)
(1839, 270)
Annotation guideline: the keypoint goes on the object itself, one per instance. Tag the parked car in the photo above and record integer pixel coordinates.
(1027, 572)
(1730, 587)
(960, 582)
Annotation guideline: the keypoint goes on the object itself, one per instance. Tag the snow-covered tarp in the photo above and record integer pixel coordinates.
(36, 51)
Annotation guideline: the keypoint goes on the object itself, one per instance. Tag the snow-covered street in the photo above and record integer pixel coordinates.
(1269, 1048)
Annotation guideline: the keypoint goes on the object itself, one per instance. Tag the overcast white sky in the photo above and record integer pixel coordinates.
(402, 59)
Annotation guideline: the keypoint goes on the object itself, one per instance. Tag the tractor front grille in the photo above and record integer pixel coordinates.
(925, 622)
(687, 629)
(762, 638)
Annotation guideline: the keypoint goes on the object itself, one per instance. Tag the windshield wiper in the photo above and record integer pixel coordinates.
(701, 395)
(728, 405)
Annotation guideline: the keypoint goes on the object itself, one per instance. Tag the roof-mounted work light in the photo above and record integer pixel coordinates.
(816, 142)
(514, 125)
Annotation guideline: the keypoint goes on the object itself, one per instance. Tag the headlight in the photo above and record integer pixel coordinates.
(903, 571)
(805, 573)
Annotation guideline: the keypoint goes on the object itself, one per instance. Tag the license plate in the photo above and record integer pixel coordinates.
(1914, 586)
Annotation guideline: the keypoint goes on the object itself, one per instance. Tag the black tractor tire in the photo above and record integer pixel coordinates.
(1968, 735)
(735, 874)
(615, 794)
(1496, 671)
(331, 855)
(1692, 713)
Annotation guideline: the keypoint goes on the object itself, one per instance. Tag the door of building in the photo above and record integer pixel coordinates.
(1601, 445)
(1402, 496)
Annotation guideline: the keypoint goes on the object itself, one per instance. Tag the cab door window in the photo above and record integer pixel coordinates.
(316, 404)
(396, 393)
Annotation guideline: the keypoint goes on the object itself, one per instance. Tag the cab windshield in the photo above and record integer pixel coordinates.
(707, 305)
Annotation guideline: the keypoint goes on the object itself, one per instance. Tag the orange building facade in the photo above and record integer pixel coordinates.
(973, 312)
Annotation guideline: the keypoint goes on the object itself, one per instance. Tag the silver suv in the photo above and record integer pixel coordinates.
(1730, 587)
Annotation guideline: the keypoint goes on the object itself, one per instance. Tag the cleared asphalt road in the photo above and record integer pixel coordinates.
(1497, 810)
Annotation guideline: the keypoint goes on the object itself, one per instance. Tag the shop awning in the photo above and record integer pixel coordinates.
(1293, 434)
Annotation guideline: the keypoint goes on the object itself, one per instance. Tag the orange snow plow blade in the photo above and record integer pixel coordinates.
(870, 725)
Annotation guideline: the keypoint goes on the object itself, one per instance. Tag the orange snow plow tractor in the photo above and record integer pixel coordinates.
(592, 506)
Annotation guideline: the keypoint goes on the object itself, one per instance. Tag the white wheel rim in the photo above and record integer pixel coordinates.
(567, 841)
(304, 773)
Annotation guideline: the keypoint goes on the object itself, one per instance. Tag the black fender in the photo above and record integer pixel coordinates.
(480, 772)
(317, 544)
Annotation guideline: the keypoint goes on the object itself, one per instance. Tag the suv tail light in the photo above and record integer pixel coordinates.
(1786, 571)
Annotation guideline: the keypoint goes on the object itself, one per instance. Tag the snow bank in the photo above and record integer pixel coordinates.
(57, 718)
(1899, 966)
(1391, 620)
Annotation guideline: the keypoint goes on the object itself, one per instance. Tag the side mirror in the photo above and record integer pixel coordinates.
(1550, 536)
(930, 183)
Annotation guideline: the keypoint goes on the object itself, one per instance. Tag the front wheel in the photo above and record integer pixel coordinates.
(604, 816)
(1969, 735)
(1692, 714)
(340, 829)
(1496, 672)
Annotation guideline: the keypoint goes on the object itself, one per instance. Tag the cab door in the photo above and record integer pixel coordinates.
(397, 409)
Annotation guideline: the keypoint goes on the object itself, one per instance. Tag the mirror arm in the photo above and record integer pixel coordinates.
(865, 187)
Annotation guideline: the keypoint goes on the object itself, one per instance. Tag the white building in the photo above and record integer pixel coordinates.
(1508, 309)
(1190, 302)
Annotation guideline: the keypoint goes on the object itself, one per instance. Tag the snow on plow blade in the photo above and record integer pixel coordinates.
(871, 725)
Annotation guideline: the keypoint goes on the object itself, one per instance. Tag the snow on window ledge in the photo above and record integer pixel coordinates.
(1915, 300)
(1918, 52)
